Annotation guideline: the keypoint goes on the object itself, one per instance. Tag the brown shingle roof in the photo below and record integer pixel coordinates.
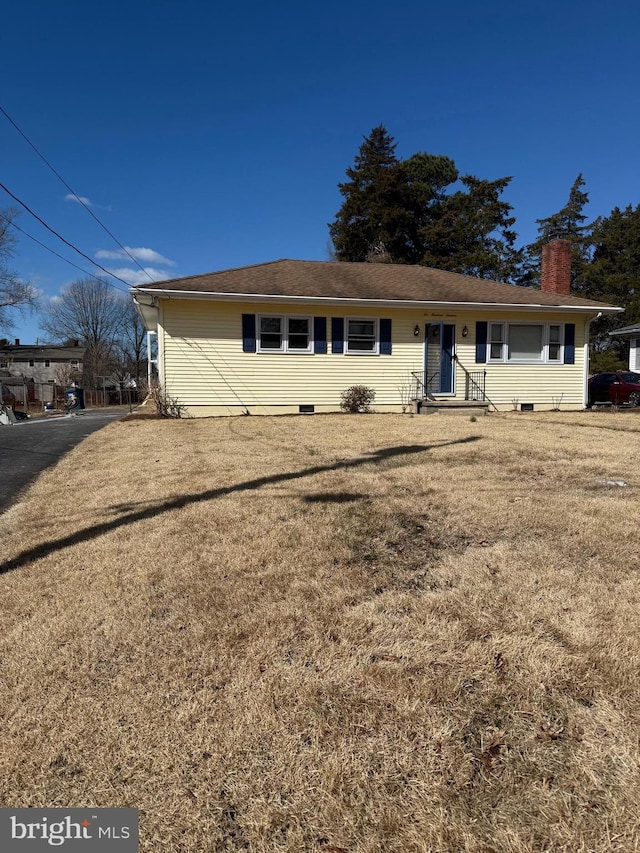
(340, 280)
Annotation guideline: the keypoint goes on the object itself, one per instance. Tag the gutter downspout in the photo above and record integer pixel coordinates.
(585, 360)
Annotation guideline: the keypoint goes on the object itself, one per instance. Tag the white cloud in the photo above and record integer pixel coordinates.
(105, 253)
(149, 256)
(78, 199)
(132, 276)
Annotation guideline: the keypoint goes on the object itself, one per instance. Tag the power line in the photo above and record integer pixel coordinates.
(60, 237)
(196, 346)
(62, 258)
(74, 194)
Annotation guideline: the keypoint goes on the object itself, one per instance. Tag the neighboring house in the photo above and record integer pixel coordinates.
(633, 334)
(46, 363)
(290, 336)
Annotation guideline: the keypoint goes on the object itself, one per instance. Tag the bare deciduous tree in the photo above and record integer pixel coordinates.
(64, 374)
(132, 343)
(91, 310)
(14, 292)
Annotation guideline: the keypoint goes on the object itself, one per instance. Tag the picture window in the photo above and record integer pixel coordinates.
(526, 343)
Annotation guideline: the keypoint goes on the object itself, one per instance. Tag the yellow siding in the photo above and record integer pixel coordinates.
(203, 365)
(509, 385)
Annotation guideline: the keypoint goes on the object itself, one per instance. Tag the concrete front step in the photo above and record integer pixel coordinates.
(450, 407)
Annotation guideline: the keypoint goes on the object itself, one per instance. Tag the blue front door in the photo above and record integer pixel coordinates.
(438, 357)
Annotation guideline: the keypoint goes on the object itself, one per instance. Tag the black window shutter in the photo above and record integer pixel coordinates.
(320, 334)
(569, 343)
(481, 342)
(248, 333)
(385, 337)
(337, 334)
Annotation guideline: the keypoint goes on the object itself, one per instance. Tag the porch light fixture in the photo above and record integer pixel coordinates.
(416, 330)
(465, 332)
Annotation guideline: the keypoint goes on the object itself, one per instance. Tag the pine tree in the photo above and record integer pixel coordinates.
(369, 214)
(472, 232)
(613, 275)
(566, 224)
(400, 211)
(387, 202)
(425, 179)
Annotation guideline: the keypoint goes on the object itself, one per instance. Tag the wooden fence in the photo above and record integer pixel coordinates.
(32, 396)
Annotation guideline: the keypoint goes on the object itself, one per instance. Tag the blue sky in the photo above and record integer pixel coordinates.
(208, 136)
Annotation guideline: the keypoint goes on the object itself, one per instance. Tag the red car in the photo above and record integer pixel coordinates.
(620, 387)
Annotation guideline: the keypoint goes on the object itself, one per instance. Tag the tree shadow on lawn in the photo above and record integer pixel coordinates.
(88, 533)
(334, 497)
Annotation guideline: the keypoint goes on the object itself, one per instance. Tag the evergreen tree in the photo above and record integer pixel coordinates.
(369, 214)
(566, 224)
(387, 202)
(424, 179)
(399, 211)
(472, 232)
(613, 275)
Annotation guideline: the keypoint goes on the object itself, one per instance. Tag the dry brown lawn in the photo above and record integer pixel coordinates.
(332, 633)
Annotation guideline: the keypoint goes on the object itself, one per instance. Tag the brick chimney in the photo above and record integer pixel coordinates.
(556, 268)
(17, 342)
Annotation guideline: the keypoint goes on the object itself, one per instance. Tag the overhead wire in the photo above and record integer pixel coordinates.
(62, 258)
(198, 347)
(60, 237)
(193, 344)
(75, 195)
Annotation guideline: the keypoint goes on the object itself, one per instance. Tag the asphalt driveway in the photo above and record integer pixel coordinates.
(28, 447)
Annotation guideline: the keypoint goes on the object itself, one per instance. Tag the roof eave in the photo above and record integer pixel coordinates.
(625, 333)
(387, 303)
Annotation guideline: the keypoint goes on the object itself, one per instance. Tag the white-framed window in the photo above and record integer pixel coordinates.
(496, 341)
(271, 334)
(554, 345)
(47, 362)
(280, 333)
(299, 334)
(32, 362)
(361, 336)
(526, 343)
(74, 363)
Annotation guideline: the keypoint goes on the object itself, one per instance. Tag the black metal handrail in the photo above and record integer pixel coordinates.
(472, 386)
(421, 382)
(475, 384)
(418, 376)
